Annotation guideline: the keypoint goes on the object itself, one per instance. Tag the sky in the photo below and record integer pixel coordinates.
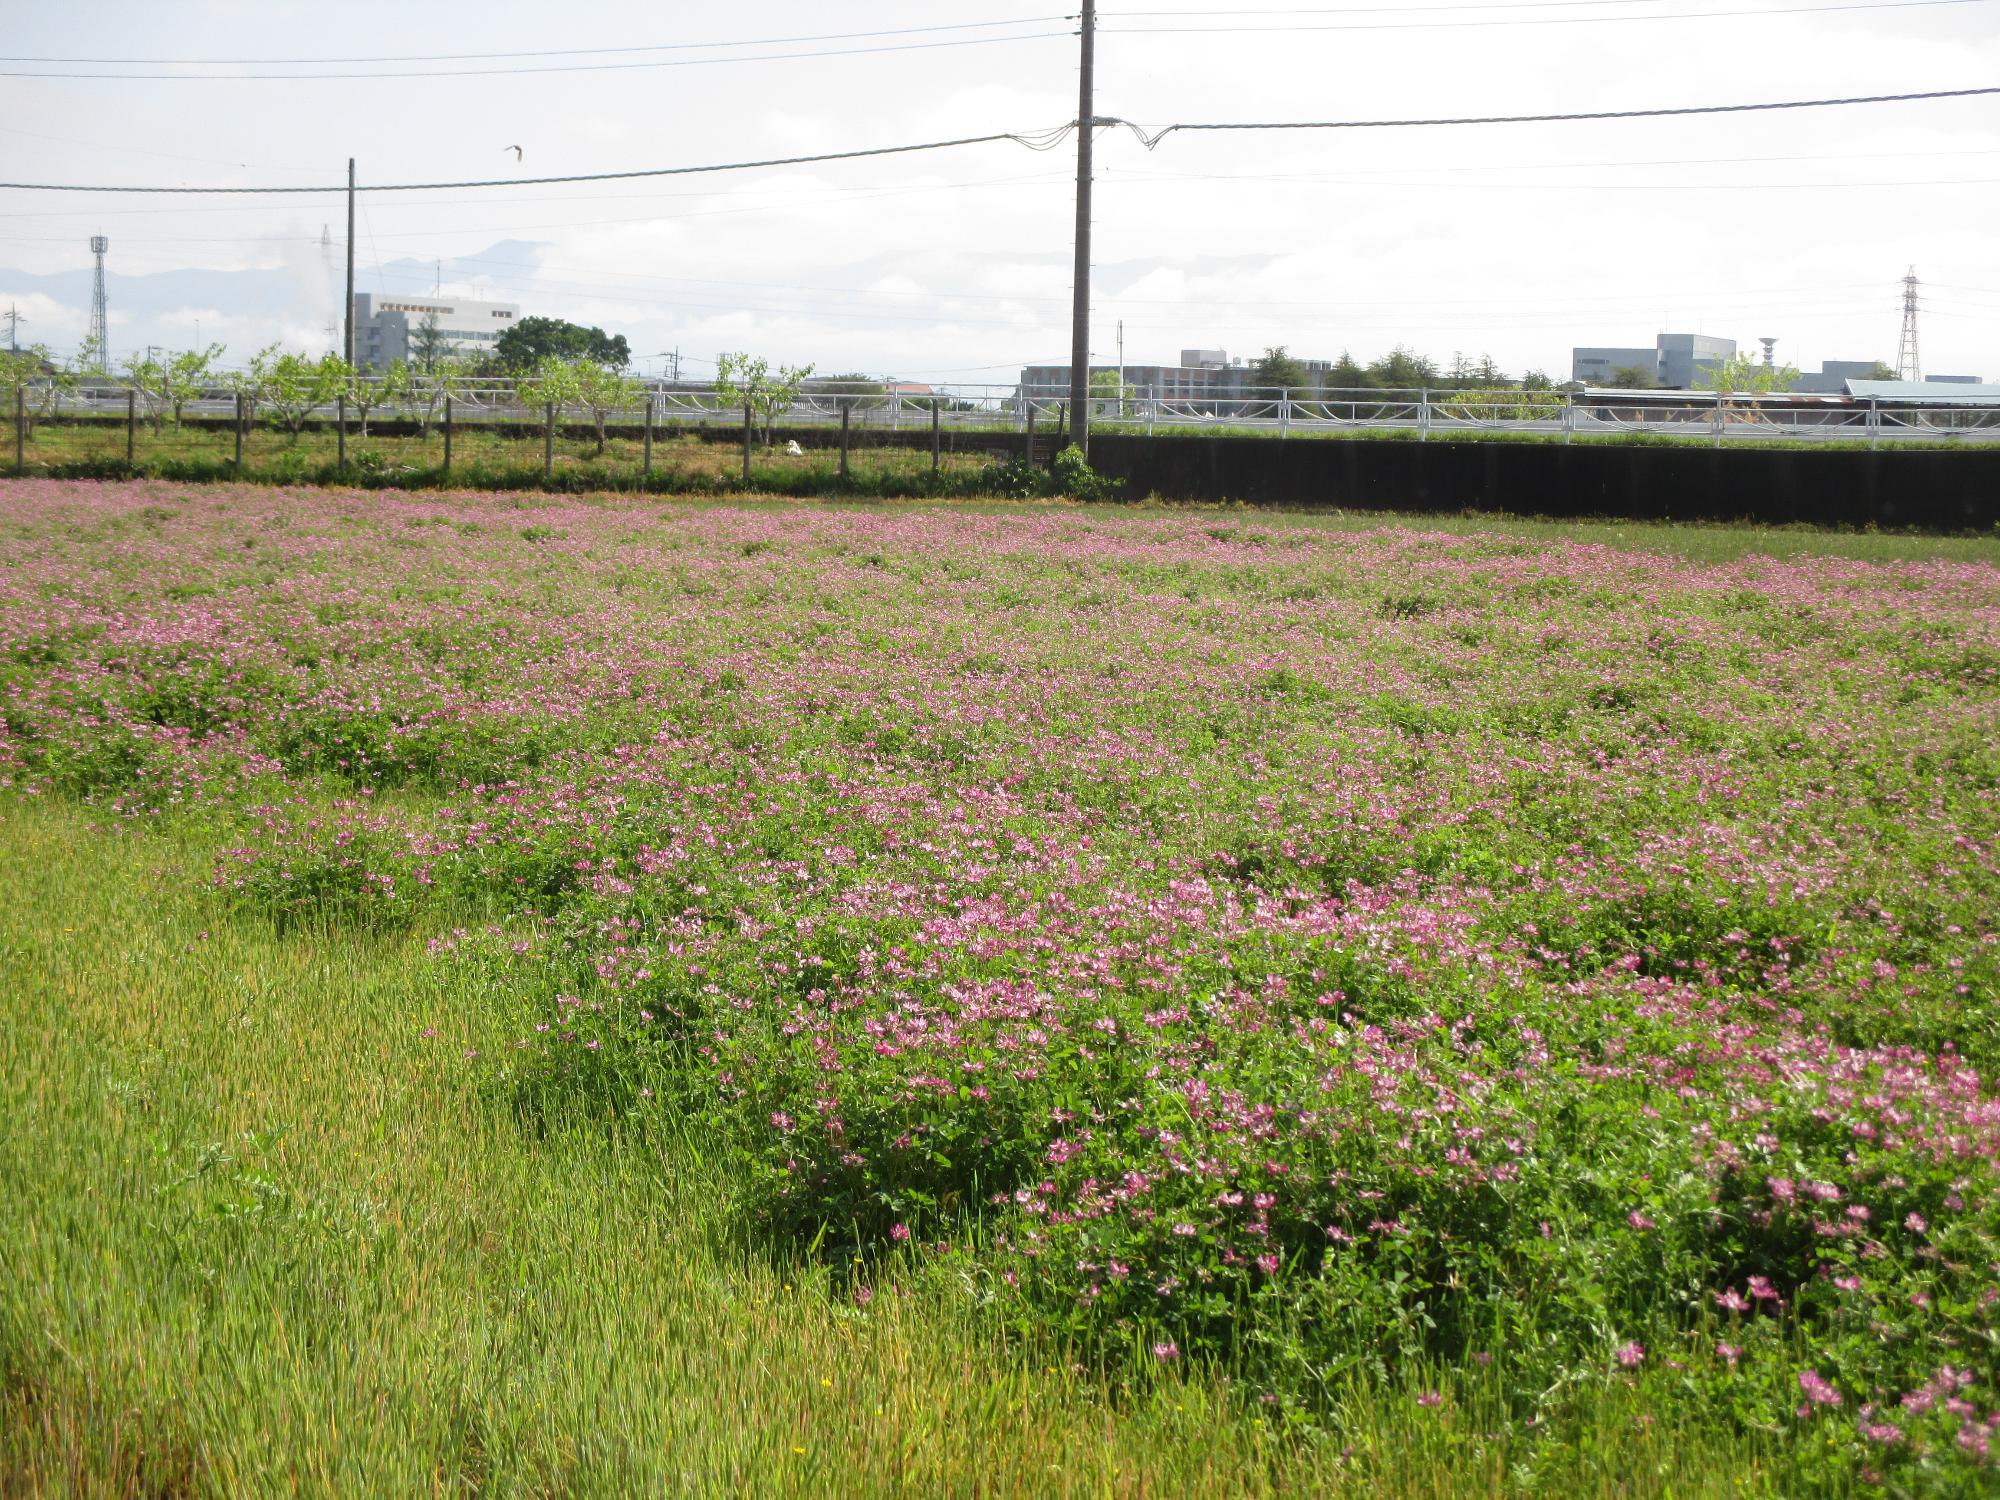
(1514, 241)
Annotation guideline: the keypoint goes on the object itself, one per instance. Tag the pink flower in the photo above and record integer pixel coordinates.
(1915, 1223)
(1732, 1300)
(1268, 1264)
(1819, 1390)
(1430, 1398)
(1632, 1355)
(899, 1232)
(1728, 1353)
(1166, 1349)
(1638, 1220)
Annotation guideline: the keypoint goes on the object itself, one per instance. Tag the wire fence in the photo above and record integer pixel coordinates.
(703, 432)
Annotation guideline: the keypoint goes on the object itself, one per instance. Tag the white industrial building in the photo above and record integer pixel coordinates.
(384, 326)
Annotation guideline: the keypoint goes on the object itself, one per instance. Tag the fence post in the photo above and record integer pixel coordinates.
(131, 426)
(1152, 410)
(1569, 416)
(647, 467)
(846, 413)
(1874, 422)
(548, 439)
(1715, 421)
(239, 434)
(1424, 415)
(340, 446)
(1285, 412)
(937, 452)
(447, 434)
(20, 427)
(1028, 432)
(747, 431)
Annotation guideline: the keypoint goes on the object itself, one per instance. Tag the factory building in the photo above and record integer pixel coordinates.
(384, 326)
(1676, 360)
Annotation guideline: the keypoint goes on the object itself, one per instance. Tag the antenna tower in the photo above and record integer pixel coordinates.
(326, 260)
(1769, 345)
(100, 309)
(1908, 366)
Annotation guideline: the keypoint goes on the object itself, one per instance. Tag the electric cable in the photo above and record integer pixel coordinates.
(618, 67)
(1040, 140)
(1151, 141)
(765, 41)
(1681, 15)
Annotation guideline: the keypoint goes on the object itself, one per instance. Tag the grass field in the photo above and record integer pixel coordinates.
(529, 996)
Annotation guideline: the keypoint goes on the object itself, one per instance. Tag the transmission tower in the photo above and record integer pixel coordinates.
(1908, 365)
(100, 309)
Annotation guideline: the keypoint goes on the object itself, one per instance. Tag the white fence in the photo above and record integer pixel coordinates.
(1558, 415)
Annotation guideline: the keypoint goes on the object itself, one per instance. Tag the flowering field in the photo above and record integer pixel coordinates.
(1475, 967)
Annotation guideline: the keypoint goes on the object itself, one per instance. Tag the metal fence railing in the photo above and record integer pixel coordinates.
(476, 404)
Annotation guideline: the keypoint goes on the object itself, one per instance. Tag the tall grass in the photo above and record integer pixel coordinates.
(263, 1235)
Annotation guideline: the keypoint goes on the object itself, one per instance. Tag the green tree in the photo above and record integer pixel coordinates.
(1108, 397)
(1537, 380)
(741, 380)
(857, 392)
(1633, 378)
(1743, 374)
(167, 382)
(294, 386)
(1347, 375)
(552, 388)
(1403, 369)
(532, 340)
(429, 388)
(369, 389)
(1277, 370)
(429, 345)
(602, 390)
(24, 375)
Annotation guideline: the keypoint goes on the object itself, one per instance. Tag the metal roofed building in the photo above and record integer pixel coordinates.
(1938, 392)
(384, 324)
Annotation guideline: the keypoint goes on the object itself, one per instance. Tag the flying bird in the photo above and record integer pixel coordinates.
(515, 149)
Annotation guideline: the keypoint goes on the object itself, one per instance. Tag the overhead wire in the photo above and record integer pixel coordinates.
(765, 41)
(1033, 140)
(614, 67)
(1239, 29)
(1151, 140)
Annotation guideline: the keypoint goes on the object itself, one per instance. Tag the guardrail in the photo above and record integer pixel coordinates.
(1695, 416)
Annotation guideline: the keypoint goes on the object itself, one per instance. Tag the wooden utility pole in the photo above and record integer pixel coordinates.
(1079, 353)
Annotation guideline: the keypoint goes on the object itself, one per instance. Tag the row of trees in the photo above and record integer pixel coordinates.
(291, 388)
(1400, 369)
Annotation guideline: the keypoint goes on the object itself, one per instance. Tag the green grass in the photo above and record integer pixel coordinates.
(263, 1236)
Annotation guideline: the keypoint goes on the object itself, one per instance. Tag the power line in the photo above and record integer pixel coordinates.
(618, 67)
(1034, 141)
(1156, 137)
(1682, 15)
(764, 41)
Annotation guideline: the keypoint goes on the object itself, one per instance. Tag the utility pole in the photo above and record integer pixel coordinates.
(1121, 368)
(14, 322)
(1079, 353)
(347, 351)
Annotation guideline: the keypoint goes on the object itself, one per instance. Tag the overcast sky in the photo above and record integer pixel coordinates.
(1514, 241)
